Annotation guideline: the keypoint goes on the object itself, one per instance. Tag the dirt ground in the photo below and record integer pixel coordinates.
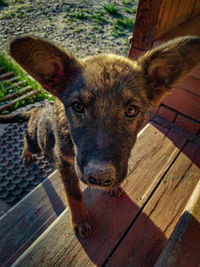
(83, 27)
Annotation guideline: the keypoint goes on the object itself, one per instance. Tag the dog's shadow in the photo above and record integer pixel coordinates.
(120, 229)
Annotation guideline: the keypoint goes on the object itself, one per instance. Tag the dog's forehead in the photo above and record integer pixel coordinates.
(109, 69)
(108, 74)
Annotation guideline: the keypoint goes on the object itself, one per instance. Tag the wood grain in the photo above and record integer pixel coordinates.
(190, 27)
(184, 102)
(196, 10)
(183, 248)
(163, 20)
(22, 224)
(152, 155)
(172, 13)
(146, 24)
(143, 243)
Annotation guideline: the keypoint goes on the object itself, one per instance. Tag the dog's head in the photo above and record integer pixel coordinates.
(106, 97)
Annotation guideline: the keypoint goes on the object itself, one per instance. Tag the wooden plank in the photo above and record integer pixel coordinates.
(163, 20)
(191, 84)
(6, 76)
(146, 23)
(13, 79)
(196, 10)
(152, 155)
(184, 102)
(149, 234)
(22, 224)
(13, 102)
(172, 14)
(190, 27)
(196, 72)
(183, 247)
(16, 84)
(19, 92)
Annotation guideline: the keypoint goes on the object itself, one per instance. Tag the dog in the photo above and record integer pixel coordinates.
(100, 106)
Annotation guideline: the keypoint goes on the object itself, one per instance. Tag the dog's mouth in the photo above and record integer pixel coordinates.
(108, 185)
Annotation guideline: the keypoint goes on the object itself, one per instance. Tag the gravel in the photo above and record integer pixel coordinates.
(56, 21)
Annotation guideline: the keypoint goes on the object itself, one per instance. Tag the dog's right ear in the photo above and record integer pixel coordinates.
(51, 66)
(164, 66)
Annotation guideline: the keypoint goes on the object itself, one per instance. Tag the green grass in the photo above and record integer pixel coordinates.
(17, 1)
(3, 3)
(98, 18)
(79, 29)
(127, 3)
(7, 65)
(130, 10)
(112, 9)
(98, 29)
(126, 47)
(12, 14)
(80, 15)
(125, 23)
(121, 26)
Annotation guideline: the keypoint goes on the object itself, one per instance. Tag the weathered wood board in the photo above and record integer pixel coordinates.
(151, 157)
(183, 248)
(172, 13)
(22, 224)
(149, 234)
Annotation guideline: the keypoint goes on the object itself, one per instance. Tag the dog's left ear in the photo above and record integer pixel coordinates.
(51, 66)
(164, 66)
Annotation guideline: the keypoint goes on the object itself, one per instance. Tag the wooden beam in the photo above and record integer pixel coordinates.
(196, 10)
(145, 26)
(190, 27)
(6, 76)
(17, 93)
(172, 14)
(10, 104)
(183, 248)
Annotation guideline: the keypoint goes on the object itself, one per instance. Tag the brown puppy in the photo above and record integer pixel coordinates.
(99, 108)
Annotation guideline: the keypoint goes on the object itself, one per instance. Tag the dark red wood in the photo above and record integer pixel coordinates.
(145, 26)
(143, 243)
(184, 102)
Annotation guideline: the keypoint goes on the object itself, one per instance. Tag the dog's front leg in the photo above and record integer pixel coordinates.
(79, 214)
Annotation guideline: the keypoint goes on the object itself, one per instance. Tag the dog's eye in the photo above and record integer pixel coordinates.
(131, 111)
(78, 106)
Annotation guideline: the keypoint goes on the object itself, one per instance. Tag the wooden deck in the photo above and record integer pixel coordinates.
(157, 220)
(132, 230)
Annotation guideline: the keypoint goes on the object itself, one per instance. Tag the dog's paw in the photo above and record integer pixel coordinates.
(115, 192)
(83, 229)
(27, 157)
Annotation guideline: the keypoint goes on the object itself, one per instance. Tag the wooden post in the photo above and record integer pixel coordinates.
(145, 26)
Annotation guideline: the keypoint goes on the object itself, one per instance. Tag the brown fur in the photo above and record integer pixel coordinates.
(100, 106)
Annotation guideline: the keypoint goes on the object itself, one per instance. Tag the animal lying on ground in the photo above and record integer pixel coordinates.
(99, 108)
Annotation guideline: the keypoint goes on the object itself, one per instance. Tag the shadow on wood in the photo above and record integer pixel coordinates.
(183, 248)
(112, 219)
(54, 198)
(190, 149)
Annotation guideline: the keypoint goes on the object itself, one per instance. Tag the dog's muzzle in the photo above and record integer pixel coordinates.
(99, 174)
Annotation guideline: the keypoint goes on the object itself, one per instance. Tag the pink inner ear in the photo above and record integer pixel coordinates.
(59, 74)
